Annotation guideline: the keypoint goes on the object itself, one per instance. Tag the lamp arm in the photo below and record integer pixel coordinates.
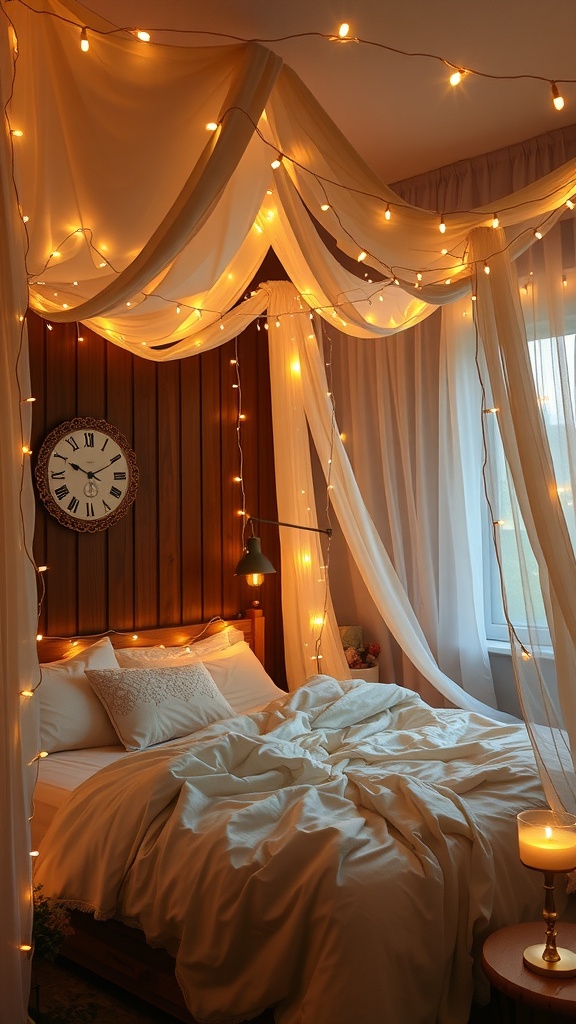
(293, 526)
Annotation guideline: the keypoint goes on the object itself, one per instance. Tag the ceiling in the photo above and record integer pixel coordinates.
(399, 112)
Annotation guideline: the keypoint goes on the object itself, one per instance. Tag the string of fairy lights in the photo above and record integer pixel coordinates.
(393, 275)
(412, 277)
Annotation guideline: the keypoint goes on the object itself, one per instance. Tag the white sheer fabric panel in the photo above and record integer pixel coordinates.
(552, 720)
(359, 531)
(18, 662)
(400, 403)
(307, 610)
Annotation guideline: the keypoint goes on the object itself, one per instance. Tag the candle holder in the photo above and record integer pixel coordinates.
(547, 843)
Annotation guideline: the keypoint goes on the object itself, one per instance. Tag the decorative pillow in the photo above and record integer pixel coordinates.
(152, 705)
(134, 657)
(242, 679)
(71, 716)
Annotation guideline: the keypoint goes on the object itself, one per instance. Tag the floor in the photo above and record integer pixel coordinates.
(69, 995)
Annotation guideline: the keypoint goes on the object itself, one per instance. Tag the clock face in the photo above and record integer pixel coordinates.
(86, 474)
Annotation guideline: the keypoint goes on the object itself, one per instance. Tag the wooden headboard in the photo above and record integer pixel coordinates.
(52, 648)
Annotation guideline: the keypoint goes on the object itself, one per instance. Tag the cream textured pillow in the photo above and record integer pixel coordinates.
(71, 716)
(241, 678)
(152, 705)
(146, 656)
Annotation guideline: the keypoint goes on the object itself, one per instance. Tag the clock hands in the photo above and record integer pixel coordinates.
(88, 472)
(102, 468)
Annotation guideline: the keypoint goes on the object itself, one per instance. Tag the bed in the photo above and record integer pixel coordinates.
(339, 853)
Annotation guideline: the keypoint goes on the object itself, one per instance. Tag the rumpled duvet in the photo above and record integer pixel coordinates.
(341, 855)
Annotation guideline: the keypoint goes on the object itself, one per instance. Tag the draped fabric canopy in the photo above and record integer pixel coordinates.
(122, 211)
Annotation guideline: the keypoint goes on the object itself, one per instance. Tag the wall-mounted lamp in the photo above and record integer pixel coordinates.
(254, 565)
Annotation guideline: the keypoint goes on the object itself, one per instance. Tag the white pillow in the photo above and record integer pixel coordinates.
(152, 705)
(71, 716)
(242, 679)
(134, 657)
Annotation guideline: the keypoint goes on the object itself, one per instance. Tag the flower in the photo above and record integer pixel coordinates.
(362, 657)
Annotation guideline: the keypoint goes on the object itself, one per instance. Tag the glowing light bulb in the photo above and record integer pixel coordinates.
(276, 162)
(255, 579)
(557, 99)
(486, 268)
(84, 44)
(442, 225)
(569, 204)
(537, 233)
(456, 77)
(387, 212)
(324, 207)
(17, 133)
(495, 221)
(212, 126)
(344, 30)
(361, 256)
(143, 36)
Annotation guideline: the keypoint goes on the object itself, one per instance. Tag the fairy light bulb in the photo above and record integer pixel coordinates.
(495, 221)
(569, 204)
(142, 35)
(387, 212)
(537, 234)
(456, 77)
(276, 162)
(361, 256)
(442, 225)
(344, 30)
(17, 133)
(557, 99)
(486, 268)
(324, 207)
(84, 44)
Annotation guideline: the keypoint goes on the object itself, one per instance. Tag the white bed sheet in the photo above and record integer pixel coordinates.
(58, 775)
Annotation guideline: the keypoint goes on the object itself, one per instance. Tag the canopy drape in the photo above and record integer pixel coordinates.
(152, 239)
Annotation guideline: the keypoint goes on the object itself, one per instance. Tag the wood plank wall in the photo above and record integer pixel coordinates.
(171, 558)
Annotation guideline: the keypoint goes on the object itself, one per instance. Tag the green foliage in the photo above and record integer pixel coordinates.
(50, 927)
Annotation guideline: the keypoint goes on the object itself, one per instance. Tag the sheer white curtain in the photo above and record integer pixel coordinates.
(532, 497)
(18, 662)
(403, 405)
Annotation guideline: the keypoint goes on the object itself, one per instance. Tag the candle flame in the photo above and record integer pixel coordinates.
(548, 832)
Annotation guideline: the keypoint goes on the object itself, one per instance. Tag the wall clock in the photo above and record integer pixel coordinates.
(86, 474)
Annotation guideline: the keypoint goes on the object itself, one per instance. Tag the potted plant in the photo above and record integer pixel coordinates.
(50, 927)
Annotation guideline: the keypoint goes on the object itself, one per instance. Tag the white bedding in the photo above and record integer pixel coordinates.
(58, 775)
(342, 854)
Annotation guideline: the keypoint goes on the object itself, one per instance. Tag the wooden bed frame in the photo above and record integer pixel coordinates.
(110, 949)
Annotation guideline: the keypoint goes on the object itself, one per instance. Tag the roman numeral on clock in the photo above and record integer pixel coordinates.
(61, 492)
(115, 492)
(73, 505)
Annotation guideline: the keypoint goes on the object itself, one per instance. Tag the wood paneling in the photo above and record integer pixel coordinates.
(171, 558)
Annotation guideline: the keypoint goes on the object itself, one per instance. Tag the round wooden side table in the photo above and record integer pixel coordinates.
(503, 966)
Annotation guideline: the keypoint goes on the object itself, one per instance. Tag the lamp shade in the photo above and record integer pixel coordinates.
(253, 562)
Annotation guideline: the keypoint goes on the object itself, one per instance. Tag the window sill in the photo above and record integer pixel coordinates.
(503, 647)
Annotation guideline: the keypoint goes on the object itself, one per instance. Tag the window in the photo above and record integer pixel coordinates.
(553, 365)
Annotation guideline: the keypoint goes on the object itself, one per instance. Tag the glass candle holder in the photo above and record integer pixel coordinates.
(547, 843)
